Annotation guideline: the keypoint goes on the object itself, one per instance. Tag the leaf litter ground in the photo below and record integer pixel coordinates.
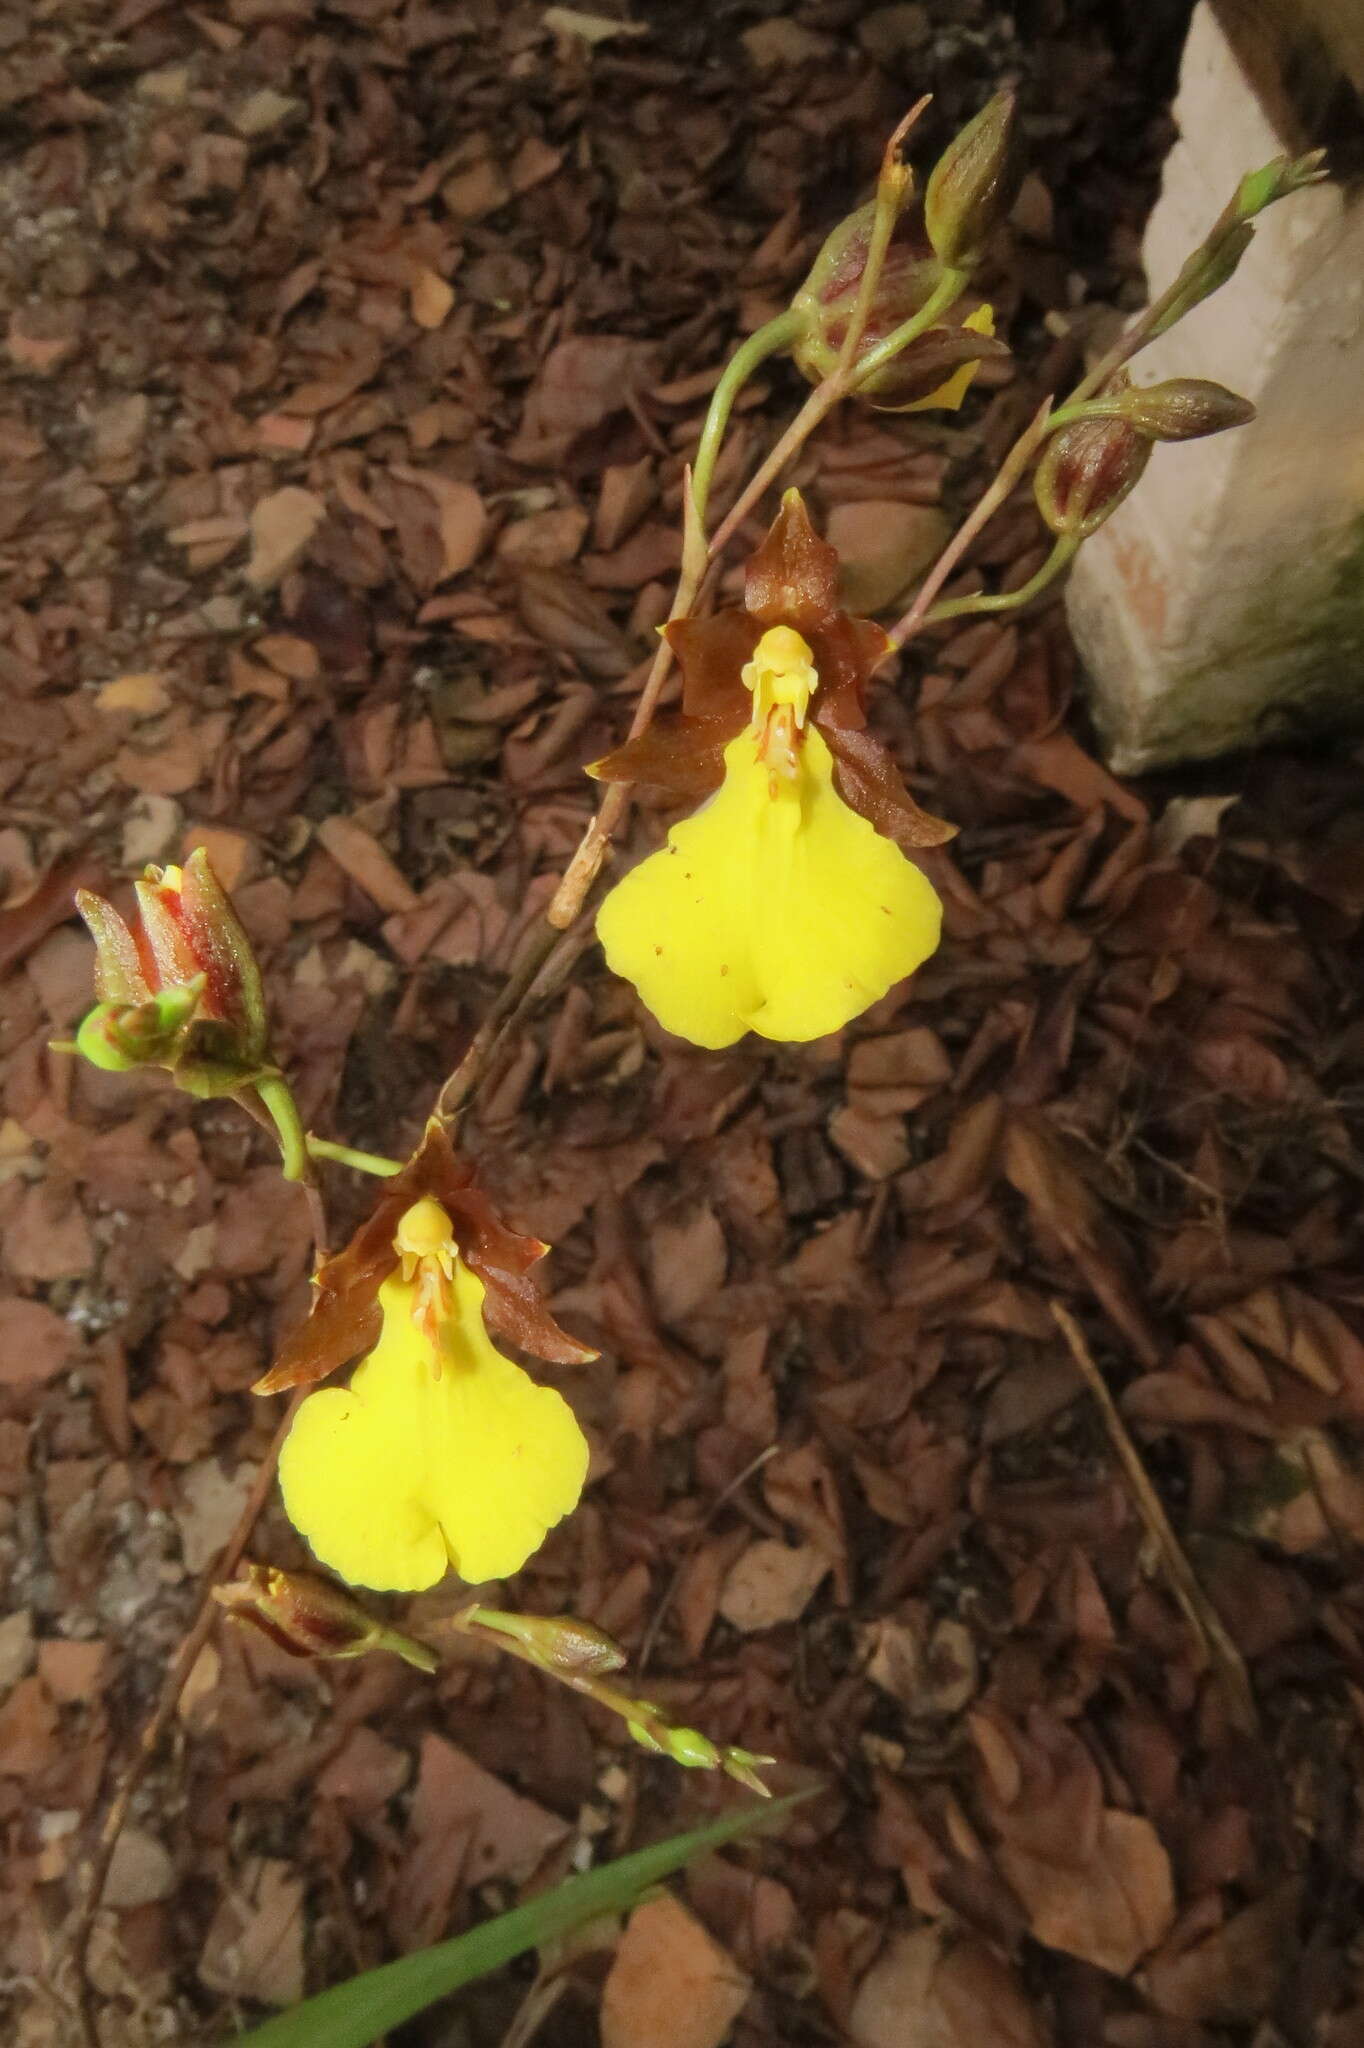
(354, 354)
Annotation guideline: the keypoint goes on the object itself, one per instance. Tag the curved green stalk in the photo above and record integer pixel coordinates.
(1063, 552)
(347, 1155)
(278, 1098)
(766, 341)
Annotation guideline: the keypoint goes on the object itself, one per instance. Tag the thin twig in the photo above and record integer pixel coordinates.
(894, 181)
(535, 2008)
(1202, 1616)
(545, 958)
(669, 1593)
(821, 401)
(592, 848)
(149, 1741)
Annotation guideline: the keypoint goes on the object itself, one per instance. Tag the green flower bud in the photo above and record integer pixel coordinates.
(973, 184)
(743, 1765)
(1180, 409)
(120, 1036)
(1285, 174)
(692, 1749)
(640, 1734)
(556, 1642)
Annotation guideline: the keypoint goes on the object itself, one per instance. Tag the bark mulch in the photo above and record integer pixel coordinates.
(353, 356)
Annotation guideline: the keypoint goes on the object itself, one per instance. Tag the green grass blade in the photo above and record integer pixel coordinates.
(351, 2015)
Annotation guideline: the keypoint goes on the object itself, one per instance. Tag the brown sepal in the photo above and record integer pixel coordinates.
(792, 580)
(684, 756)
(345, 1318)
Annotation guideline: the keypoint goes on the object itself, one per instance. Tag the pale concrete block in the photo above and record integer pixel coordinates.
(1223, 603)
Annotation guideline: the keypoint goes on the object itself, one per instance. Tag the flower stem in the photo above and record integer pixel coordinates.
(1010, 470)
(765, 341)
(646, 1722)
(592, 848)
(1063, 553)
(945, 293)
(347, 1155)
(894, 181)
(1211, 264)
(278, 1097)
(538, 945)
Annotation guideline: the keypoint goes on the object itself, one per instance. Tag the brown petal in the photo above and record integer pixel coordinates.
(928, 362)
(513, 1308)
(712, 653)
(344, 1319)
(846, 652)
(867, 779)
(501, 1257)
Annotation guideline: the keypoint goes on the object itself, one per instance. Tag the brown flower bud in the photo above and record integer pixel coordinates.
(934, 361)
(1182, 409)
(825, 301)
(973, 184)
(1086, 472)
(309, 1617)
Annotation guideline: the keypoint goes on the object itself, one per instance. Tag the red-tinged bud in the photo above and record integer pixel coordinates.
(933, 362)
(825, 301)
(309, 1617)
(973, 184)
(190, 927)
(1181, 409)
(181, 989)
(1086, 472)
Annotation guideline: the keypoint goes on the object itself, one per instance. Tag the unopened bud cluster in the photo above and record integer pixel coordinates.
(970, 189)
(583, 1658)
(180, 989)
(1099, 453)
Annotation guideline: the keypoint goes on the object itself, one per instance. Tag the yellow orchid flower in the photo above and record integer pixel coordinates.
(441, 1453)
(776, 908)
